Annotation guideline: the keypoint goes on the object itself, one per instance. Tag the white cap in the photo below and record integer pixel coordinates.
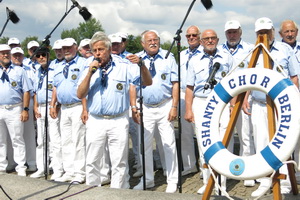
(17, 50)
(115, 38)
(32, 43)
(67, 42)
(84, 42)
(232, 24)
(13, 41)
(122, 35)
(4, 47)
(263, 23)
(57, 44)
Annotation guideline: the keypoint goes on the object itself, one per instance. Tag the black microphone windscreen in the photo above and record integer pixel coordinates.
(85, 13)
(12, 16)
(207, 4)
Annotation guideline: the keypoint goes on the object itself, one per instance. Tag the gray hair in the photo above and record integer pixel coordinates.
(100, 36)
(288, 20)
(147, 31)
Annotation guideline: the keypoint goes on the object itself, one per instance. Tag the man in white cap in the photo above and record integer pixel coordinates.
(31, 61)
(84, 48)
(13, 42)
(123, 53)
(283, 55)
(239, 49)
(116, 41)
(66, 76)
(289, 32)
(14, 82)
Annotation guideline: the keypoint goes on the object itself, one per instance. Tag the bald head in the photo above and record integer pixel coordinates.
(209, 41)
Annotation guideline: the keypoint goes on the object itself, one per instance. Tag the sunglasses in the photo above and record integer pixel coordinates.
(189, 35)
(39, 55)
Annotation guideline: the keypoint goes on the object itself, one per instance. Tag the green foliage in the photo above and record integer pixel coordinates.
(134, 44)
(84, 30)
(4, 40)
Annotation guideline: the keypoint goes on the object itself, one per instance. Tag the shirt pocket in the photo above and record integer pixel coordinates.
(74, 74)
(120, 85)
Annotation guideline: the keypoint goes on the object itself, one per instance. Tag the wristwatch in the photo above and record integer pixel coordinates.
(26, 108)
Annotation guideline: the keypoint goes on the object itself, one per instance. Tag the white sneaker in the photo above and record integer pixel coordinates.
(260, 191)
(141, 187)
(249, 183)
(37, 174)
(64, 178)
(56, 176)
(78, 180)
(138, 173)
(171, 188)
(105, 181)
(22, 173)
(202, 189)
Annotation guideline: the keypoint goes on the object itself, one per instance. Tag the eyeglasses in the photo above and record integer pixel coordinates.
(39, 55)
(189, 35)
(207, 38)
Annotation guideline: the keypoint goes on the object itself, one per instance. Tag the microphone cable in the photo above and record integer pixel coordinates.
(5, 192)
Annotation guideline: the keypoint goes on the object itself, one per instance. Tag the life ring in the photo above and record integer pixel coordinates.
(286, 98)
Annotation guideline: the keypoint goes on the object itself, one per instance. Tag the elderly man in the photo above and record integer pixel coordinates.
(284, 56)
(31, 61)
(123, 52)
(40, 101)
(289, 32)
(199, 70)
(14, 83)
(187, 137)
(13, 42)
(66, 77)
(160, 108)
(84, 48)
(107, 92)
(239, 49)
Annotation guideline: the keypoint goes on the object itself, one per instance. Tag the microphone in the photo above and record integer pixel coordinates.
(207, 4)
(83, 11)
(94, 69)
(12, 16)
(211, 79)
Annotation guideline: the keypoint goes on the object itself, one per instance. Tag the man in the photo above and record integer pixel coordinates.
(289, 32)
(196, 94)
(160, 108)
(187, 137)
(116, 42)
(14, 83)
(13, 42)
(17, 58)
(239, 49)
(66, 76)
(40, 101)
(31, 61)
(107, 92)
(285, 57)
(84, 48)
(123, 52)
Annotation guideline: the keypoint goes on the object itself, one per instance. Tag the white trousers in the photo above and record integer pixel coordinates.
(54, 144)
(159, 116)
(112, 133)
(11, 124)
(259, 116)
(73, 141)
(187, 140)
(198, 109)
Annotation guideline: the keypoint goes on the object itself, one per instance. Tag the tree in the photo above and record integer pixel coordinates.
(4, 40)
(84, 30)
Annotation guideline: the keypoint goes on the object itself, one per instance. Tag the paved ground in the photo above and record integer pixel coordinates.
(28, 188)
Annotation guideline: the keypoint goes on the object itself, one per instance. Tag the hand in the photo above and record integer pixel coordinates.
(189, 116)
(24, 116)
(246, 108)
(53, 112)
(172, 114)
(84, 116)
(133, 58)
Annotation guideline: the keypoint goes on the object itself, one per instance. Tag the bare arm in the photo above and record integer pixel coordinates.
(189, 96)
(24, 113)
(175, 99)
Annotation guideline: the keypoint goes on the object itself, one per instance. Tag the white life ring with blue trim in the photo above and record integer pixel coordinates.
(287, 101)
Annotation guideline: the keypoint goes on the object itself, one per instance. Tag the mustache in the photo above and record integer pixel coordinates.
(152, 45)
(290, 37)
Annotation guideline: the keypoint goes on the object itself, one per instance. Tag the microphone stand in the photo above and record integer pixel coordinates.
(142, 147)
(177, 38)
(46, 43)
(4, 26)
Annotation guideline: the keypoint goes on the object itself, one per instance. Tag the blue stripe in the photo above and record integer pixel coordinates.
(279, 87)
(212, 150)
(222, 93)
(271, 158)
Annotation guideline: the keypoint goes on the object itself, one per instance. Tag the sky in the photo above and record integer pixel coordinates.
(38, 18)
